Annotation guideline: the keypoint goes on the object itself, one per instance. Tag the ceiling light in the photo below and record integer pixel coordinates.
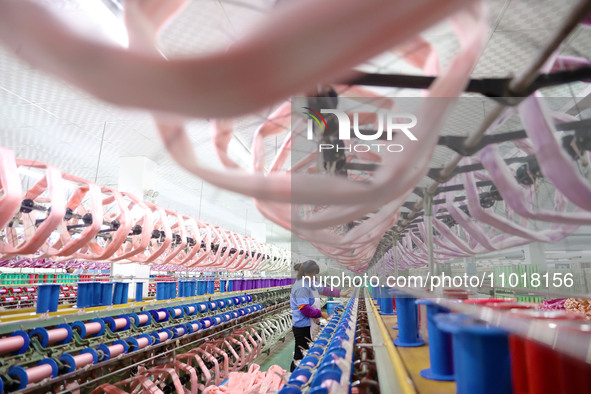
(30, 172)
(239, 151)
(92, 18)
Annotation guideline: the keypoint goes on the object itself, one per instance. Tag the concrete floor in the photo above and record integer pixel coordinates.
(281, 354)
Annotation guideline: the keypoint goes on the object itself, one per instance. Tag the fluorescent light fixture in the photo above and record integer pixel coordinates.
(30, 172)
(92, 18)
(238, 150)
(112, 26)
(577, 252)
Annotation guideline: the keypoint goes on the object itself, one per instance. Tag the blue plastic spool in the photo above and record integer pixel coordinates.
(26, 341)
(120, 290)
(104, 348)
(106, 293)
(48, 296)
(290, 390)
(127, 319)
(132, 344)
(299, 377)
(199, 325)
(165, 290)
(230, 286)
(125, 293)
(187, 285)
(149, 319)
(110, 322)
(329, 372)
(177, 312)
(318, 390)
(168, 333)
(316, 351)
(440, 346)
(408, 321)
(336, 352)
(155, 337)
(482, 362)
(376, 295)
(206, 322)
(189, 328)
(171, 313)
(222, 286)
(148, 337)
(68, 360)
(19, 373)
(160, 291)
(386, 302)
(202, 307)
(134, 318)
(139, 291)
(167, 316)
(43, 336)
(172, 292)
(82, 296)
(187, 309)
(157, 318)
(309, 361)
(211, 287)
(93, 294)
(80, 327)
(179, 331)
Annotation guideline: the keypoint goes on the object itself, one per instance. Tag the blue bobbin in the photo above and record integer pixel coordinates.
(440, 346)
(482, 363)
(408, 321)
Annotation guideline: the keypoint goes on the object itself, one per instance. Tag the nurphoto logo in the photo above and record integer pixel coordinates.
(389, 122)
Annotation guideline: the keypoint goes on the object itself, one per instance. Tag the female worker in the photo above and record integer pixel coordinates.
(305, 307)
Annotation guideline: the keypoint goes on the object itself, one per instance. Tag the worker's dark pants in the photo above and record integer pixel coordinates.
(302, 342)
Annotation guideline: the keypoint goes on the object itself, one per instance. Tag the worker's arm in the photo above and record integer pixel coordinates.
(309, 311)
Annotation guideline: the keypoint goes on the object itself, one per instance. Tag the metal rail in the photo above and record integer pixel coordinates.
(517, 87)
(161, 350)
(31, 320)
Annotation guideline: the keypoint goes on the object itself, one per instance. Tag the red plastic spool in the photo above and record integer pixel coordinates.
(542, 373)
